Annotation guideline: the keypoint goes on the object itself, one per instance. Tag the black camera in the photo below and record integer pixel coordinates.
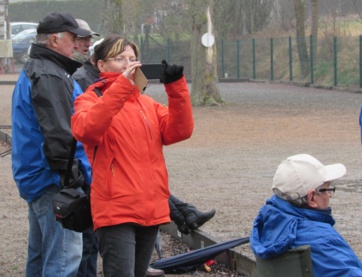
(152, 70)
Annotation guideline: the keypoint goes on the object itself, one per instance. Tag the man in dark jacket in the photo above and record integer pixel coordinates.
(85, 76)
(41, 141)
(88, 73)
(83, 43)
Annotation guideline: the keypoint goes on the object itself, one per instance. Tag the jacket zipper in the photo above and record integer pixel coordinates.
(146, 121)
(112, 168)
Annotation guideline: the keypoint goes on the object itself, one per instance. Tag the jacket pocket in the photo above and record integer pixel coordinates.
(110, 178)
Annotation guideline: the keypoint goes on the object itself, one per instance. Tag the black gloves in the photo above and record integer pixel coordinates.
(171, 73)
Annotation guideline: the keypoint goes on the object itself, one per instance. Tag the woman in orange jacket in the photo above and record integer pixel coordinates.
(123, 132)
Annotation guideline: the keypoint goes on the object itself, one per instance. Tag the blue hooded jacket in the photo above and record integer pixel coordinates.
(280, 226)
(42, 105)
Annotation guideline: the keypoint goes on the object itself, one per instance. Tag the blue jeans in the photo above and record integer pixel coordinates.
(52, 250)
(126, 249)
(88, 265)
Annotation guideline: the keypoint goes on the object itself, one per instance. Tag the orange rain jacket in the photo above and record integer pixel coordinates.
(125, 132)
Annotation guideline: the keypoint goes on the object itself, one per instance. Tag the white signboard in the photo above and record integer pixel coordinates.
(207, 40)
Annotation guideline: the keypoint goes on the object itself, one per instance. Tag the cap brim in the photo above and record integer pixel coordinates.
(80, 32)
(91, 34)
(334, 171)
(95, 34)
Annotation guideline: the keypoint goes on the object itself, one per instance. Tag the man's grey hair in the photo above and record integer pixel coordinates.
(43, 39)
(300, 202)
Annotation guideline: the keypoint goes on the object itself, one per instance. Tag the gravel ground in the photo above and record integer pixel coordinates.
(229, 162)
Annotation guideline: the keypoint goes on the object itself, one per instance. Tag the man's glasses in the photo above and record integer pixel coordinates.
(84, 39)
(331, 190)
(123, 60)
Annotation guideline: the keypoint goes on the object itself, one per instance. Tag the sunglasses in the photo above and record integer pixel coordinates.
(331, 190)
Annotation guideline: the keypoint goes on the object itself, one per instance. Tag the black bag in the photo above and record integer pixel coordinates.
(71, 207)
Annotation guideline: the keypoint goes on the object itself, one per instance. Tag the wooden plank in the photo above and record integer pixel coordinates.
(6, 48)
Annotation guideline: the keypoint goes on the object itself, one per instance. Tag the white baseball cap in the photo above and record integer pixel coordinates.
(299, 174)
(85, 26)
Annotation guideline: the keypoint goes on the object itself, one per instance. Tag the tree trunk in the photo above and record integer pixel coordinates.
(301, 40)
(315, 17)
(107, 3)
(205, 89)
(113, 19)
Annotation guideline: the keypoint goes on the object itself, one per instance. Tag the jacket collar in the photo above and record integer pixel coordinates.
(106, 80)
(91, 68)
(42, 52)
(311, 214)
(109, 77)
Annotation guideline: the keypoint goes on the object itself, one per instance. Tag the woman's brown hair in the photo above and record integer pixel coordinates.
(111, 46)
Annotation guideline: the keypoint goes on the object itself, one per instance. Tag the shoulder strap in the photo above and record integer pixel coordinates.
(98, 92)
(70, 163)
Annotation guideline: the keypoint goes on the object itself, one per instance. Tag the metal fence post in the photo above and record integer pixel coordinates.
(141, 42)
(168, 51)
(335, 63)
(290, 59)
(360, 61)
(254, 74)
(238, 59)
(222, 59)
(311, 60)
(271, 59)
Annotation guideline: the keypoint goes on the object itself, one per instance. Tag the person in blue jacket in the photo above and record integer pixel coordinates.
(299, 214)
(42, 105)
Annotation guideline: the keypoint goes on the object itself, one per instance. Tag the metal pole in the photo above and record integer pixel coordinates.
(254, 69)
(360, 61)
(142, 46)
(222, 59)
(335, 63)
(311, 60)
(7, 20)
(290, 60)
(238, 59)
(168, 51)
(271, 59)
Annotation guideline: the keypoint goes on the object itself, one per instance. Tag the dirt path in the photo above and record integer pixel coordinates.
(229, 162)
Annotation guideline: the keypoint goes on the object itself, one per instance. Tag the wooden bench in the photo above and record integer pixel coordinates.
(296, 262)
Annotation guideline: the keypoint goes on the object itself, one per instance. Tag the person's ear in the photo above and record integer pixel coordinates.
(53, 40)
(101, 65)
(311, 199)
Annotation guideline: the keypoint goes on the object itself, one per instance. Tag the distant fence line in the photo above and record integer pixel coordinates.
(336, 61)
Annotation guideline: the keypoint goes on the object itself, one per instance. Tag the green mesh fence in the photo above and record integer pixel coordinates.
(174, 52)
(336, 61)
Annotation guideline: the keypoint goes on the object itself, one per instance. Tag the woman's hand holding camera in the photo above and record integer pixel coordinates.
(130, 70)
